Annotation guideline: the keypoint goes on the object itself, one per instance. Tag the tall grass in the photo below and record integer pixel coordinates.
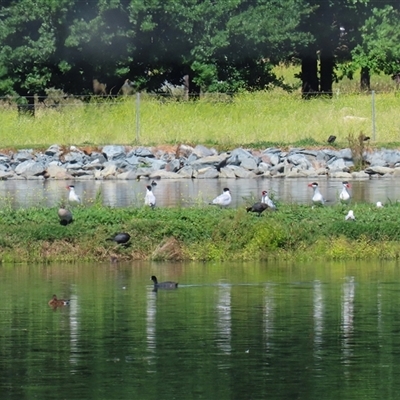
(262, 118)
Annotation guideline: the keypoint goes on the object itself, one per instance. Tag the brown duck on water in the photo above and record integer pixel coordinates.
(54, 302)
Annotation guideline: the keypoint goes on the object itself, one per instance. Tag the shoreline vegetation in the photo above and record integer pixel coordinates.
(201, 233)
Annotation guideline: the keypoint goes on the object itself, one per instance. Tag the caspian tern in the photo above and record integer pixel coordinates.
(317, 198)
(73, 198)
(150, 199)
(265, 199)
(344, 196)
(223, 199)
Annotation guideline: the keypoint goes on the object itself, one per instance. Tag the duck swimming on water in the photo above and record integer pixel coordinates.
(54, 302)
(163, 285)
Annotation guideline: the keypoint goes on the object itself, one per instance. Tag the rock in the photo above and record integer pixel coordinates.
(336, 164)
(58, 172)
(340, 175)
(207, 173)
(162, 174)
(29, 168)
(53, 150)
(186, 172)
(379, 170)
(249, 164)
(128, 175)
(360, 175)
(241, 172)
(209, 161)
(143, 152)
(114, 152)
(238, 156)
(202, 151)
(23, 155)
(300, 160)
(227, 172)
(6, 174)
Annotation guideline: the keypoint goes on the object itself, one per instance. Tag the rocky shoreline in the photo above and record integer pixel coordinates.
(186, 162)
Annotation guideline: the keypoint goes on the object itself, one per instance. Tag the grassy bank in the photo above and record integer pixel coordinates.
(252, 119)
(201, 233)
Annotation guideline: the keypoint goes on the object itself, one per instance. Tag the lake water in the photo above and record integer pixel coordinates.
(185, 192)
(231, 330)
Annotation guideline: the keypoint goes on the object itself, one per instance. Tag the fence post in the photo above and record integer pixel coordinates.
(137, 117)
(373, 115)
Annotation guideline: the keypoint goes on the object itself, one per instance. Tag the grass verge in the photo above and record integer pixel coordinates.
(201, 233)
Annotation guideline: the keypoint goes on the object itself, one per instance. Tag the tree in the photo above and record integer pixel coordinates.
(380, 47)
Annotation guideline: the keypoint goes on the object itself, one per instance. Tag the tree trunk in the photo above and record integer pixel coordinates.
(327, 64)
(365, 79)
(309, 76)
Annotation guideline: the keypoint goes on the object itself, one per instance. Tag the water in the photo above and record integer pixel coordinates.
(231, 330)
(185, 192)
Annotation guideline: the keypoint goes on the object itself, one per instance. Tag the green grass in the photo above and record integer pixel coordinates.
(248, 119)
(201, 233)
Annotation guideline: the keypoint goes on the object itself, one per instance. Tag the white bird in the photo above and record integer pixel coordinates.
(379, 204)
(350, 216)
(73, 198)
(265, 199)
(150, 199)
(223, 199)
(344, 194)
(317, 197)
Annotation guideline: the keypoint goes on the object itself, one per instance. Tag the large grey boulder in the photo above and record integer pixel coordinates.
(114, 152)
(207, 173)
(201, 151)
(29, 168)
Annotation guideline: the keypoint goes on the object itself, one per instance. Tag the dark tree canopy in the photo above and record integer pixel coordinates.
(224, 46)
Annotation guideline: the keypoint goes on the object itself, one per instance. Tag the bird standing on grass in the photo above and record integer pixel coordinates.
(150, 199)
(265, 199)
(120, 238)
(317, 198)
(379, 204)
(65, 216)
(223, 199)
(73, 198)
(344, 194)
(350, 216)
(262, 205)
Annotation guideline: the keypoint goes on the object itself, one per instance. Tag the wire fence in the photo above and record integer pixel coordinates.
(265, 115)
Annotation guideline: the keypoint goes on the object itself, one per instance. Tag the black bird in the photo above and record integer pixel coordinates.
(331, 139)
(257, 208)
(163, 285)
(153, 183)
(120, 238)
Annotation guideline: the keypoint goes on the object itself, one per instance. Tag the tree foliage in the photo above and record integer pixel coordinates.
(223, 46)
